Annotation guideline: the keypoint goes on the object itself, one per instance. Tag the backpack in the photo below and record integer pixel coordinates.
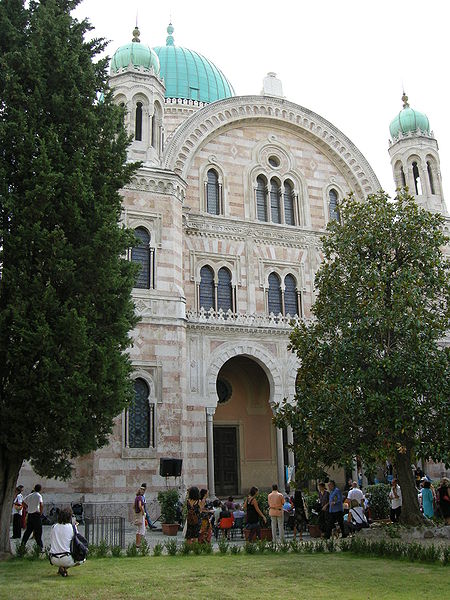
(192, 516)
(78, 546)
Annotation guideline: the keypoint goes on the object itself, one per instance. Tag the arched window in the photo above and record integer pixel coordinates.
(261, 198)
(138, 122)
(430, 177)
(224, 290)
(333, 201)
(402, 175)
(206, 288)
(288, 199)
(141, 254)
(274, 299)
(290, 296)
(416, 177)
(212, 193)
(275, 212)
(139, 417)
(156, 125)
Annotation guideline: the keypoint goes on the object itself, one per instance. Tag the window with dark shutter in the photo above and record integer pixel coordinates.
(139, 425)
(141, 254)
(290, 296)
(138, 123)
(275, 306)
(333, 201)
(212, 193)
(224, 290)
(288, 199)
(261, 197)
(206, 288)
(275, 212)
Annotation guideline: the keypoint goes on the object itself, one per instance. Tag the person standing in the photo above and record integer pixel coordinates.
(443, 498)
(427, 500)
(253, 515)
(300, 514)
(17, 513)
(276, 501)
(139, 516)
(324, 500)
(193, 515)
(147, 516)
(35, 507)
(395, 496)
(335, 510)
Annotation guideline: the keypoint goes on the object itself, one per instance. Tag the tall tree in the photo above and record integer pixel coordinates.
(65, 288)
(374, 379)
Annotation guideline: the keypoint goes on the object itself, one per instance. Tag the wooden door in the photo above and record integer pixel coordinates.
(225, 461)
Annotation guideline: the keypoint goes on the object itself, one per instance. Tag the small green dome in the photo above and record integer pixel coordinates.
(190, 75)
(136, 55)
(408, 120)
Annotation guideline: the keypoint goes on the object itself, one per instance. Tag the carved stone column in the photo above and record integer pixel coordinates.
(280, 461)
(210, 410)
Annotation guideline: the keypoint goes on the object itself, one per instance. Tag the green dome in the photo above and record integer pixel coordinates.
(134, 54)
(190, 75)
(408, 120)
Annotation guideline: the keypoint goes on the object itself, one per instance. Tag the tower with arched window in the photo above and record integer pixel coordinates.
(139, 88)
(414, 156)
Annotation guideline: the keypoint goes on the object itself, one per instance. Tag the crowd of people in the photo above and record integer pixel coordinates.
(346, 512)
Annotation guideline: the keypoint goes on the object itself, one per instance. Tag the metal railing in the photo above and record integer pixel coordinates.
(105, 529)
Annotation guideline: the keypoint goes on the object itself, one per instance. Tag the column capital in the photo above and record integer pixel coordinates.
(210, 411)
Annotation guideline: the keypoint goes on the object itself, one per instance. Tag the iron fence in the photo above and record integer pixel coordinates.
(105, 529)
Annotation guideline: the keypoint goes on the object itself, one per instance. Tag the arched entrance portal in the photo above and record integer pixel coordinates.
(245, 444)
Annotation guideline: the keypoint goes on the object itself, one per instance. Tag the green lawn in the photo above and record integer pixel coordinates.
(290, 576)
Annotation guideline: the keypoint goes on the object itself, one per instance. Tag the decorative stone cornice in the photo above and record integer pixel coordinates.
(158, 181)
(259, 232)
(201, 125)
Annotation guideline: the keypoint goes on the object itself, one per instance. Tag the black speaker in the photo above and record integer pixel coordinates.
(170, 467)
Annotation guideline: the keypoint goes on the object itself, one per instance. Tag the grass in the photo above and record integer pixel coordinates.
(226, 577)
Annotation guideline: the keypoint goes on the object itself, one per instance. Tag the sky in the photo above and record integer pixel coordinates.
(347, 61)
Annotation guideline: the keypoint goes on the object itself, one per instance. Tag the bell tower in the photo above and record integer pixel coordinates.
(414, 156)
(137, 85)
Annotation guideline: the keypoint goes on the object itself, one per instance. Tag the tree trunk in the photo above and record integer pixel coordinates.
(410, 514)
(9, 471)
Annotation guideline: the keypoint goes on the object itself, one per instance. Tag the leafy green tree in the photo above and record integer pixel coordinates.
(374, 377)
(65, 288)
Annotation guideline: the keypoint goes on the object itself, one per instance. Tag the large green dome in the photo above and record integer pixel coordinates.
(408, 120)
(190, 75)
(136, 55)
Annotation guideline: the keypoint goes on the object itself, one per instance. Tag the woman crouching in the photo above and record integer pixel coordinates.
(60, 538)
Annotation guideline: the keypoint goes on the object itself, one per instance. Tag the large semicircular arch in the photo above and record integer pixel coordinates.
(257, 353)
(185, 141)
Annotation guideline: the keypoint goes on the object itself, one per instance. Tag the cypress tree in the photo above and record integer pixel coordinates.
(65, 288)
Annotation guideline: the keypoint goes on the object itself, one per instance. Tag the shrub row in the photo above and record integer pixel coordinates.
(356, 545)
